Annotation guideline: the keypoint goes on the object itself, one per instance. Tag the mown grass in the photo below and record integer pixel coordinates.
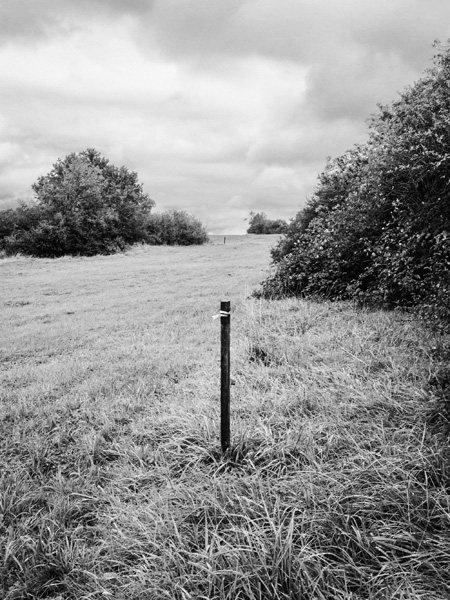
(337, 482)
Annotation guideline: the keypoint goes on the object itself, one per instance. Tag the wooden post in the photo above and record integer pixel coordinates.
(224, 240)
(225, 375)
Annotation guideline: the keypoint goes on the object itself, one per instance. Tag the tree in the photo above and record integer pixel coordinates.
(260, 224)
(85, 206)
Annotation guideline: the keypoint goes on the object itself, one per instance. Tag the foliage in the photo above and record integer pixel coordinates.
(84, 205)
(376, 228)
(15, 225)
(175, 227)
(260, 224)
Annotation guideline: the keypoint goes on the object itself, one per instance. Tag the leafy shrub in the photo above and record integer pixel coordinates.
(260, 224)
(13, 223)
(84, 205)
(175, 227)
(376, 228)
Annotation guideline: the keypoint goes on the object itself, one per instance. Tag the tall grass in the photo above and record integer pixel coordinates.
(336, 485)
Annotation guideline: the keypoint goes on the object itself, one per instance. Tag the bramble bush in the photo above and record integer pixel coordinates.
(377, 227)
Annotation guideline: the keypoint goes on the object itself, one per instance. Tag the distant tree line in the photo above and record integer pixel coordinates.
(87, 206)
(260, 224)
(377, 227)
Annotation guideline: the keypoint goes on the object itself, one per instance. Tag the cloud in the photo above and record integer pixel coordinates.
(221, 107)
(357, 52)
(34, 20)
(305, 31)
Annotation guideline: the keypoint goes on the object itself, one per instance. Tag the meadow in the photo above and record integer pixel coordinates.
(112, 484)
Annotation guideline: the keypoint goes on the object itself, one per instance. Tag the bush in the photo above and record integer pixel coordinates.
(175, 227)
(15, 225)
(83, 206)
(86, 206)
(260, 224)
(376, 227)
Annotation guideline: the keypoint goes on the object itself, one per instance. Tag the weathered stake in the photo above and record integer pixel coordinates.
(225, 375)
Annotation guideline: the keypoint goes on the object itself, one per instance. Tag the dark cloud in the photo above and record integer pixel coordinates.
(302, 30)
(27, 19)
(359, 53)
(31, 20)
(352, 84)
(377, 50)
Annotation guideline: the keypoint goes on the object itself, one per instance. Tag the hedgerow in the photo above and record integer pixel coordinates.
(376, 228)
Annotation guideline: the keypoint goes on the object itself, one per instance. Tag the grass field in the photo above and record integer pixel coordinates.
(112, 481)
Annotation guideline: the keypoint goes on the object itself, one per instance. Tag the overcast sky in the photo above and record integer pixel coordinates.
(221, 106)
